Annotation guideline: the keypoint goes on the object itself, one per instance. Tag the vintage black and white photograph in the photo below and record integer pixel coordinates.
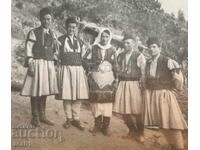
(99, 75)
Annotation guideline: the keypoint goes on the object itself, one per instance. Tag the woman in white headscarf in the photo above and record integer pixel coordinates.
(101, 81)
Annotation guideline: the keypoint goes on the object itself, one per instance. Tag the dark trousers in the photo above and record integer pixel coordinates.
(134, 123)
(38, 107)
(102, 122)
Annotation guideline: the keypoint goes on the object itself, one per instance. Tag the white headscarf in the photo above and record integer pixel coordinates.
(98, 39)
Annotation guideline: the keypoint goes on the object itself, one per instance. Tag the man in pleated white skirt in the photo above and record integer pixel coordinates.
(72, 80)
(128, 97)
(41, 54)
(161, 109)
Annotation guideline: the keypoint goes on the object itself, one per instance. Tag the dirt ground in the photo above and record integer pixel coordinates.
(58, 138)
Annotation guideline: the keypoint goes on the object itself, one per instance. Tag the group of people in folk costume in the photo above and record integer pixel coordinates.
(138, 89)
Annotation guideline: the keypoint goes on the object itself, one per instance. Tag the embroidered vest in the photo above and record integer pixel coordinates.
(163, 78)
(43, 47)
(70, 58)
(130, 71)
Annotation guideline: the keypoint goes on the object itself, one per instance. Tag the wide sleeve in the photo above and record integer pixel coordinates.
(141, 63)
(172, 64)
(57, 45)
(176, 74)
(86, 51)
(86, 55)
(31, 39)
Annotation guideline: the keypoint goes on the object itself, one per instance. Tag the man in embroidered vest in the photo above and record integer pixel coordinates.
(72, 80)
(40, 81)
(128, 98)
(161, 107)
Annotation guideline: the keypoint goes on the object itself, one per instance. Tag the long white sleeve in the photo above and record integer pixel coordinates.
(177, 76)
(141, 63)
(29, 44)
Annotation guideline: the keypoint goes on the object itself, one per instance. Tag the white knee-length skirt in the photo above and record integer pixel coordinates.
(128, 98)
(72, 83)
(43, 82)
(162, 110)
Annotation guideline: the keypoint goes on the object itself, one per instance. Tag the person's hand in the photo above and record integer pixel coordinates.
(31, 67)
(175, 73)
(178, 79)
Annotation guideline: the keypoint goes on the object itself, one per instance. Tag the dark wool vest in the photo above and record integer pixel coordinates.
(163, 78)
(129, 72)
(43, 47)
(70, 58)
(97, 57)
